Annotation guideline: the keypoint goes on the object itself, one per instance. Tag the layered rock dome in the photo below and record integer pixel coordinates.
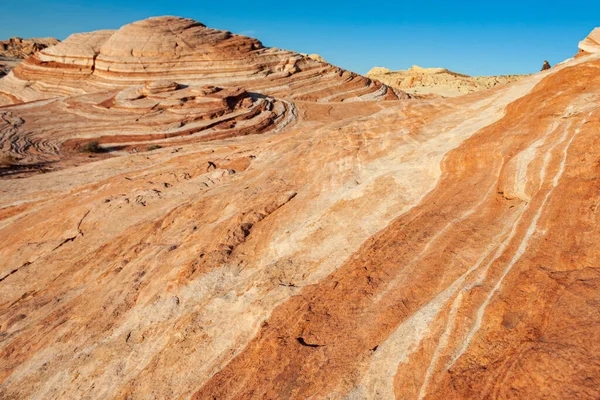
(185, 51)
(93, 84)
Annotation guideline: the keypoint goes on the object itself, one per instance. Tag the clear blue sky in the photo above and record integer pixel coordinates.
(481, 37)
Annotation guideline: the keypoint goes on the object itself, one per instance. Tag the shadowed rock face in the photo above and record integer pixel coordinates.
(276, 246)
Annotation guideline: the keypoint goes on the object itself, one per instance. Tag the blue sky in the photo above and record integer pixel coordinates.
(475, 37)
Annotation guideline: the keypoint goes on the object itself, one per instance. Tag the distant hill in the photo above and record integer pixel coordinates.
(438, 81)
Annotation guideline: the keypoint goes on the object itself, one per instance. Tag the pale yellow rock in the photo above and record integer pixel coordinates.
(438, 81)
(317, 57)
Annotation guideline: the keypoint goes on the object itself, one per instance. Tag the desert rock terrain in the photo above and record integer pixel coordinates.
(16, 49)
(430, 82)
(253, 223)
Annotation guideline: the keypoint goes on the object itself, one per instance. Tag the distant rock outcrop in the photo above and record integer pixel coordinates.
(16, 49)
(420, 81)
(546, 66)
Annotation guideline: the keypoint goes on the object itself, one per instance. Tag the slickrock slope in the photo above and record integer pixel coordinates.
(16, 49)
(185, 51)
(438, 81)
(423, 249)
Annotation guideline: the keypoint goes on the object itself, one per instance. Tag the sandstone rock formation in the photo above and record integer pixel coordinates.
(591, 44)
(438, 81)
(275, 246)
(16, 49)
(184, 51)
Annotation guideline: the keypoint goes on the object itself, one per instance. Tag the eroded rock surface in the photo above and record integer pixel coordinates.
(275, 246)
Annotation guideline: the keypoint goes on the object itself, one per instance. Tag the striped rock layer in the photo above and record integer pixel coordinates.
(425, 249)
(185, 51)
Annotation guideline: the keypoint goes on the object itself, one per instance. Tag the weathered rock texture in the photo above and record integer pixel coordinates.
(425, 82)
(16, 49)
(439, 249)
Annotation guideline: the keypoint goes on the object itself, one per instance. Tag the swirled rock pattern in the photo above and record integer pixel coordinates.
(53, 133)
(157, 82)
(423, 249)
